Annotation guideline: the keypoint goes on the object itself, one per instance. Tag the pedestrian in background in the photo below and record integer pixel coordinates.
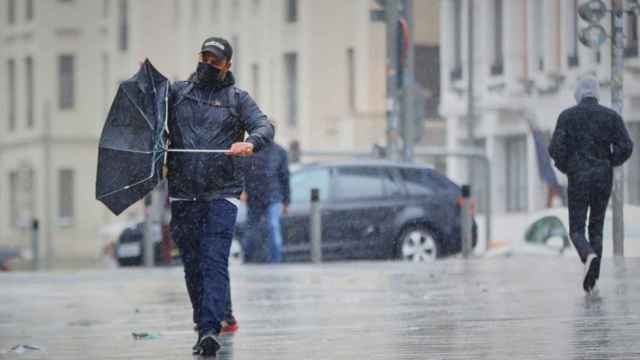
(588, 142)
(268, 193)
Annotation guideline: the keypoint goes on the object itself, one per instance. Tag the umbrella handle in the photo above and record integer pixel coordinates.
(215, 151)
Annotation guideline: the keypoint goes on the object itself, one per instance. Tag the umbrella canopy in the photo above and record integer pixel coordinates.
(132, 144)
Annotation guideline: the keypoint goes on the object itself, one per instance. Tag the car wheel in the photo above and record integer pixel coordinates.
(418, 244)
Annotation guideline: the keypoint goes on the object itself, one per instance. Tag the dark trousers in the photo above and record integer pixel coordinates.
(203, 231)
(589, 190)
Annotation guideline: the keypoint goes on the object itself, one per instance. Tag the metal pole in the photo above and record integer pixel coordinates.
(617, 102)
(391, 14)
(466, 222)
(471, 83)
(153, 217)
(35, 246)
(408, 90)
(316, 227)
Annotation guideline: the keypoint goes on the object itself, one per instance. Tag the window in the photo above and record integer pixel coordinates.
(11, 12)
(631, 34)
(255, 81)
(292, 11)
(11, 84)
(291, 83)
(235, 9)
(106, 78)
(516, 173)
(30, 86)
(66, 196)
(29, 10)
(633, 165)
(215, 10)
(123, 26)
(351, 79)
(572, 34)
(497, 67)
(255, 7)
(391, 184)
(235, 43)
(359, 183)
(195, 10)
(538, 33)
(456, 72)
(416, 181)
(106, 6)
(13, 198)
(303, 181)
(544, 229)
(66, 80)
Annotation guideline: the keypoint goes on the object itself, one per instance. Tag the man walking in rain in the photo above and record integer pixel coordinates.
(209, 112)
(268, 192)
(589, 140)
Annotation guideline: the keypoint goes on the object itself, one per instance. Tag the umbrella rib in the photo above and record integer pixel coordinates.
(127, 150)
(126, 187)
(138, 108)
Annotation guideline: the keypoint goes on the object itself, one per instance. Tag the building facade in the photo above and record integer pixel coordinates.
(526, 60)
(317, 68)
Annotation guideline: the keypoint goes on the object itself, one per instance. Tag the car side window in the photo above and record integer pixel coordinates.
(392, 185)
(417, 181)
(359, 183)
(304, 180)
(543, 229)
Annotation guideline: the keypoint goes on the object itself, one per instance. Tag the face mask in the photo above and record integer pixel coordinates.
(209, 75)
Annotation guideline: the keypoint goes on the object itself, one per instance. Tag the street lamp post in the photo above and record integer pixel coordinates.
(594, 36)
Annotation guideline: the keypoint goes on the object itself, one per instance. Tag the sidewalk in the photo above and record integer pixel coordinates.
(515, 308)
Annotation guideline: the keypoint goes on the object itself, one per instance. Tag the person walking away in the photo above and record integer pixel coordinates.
(209, 112)
(588, 142)
(268, 192)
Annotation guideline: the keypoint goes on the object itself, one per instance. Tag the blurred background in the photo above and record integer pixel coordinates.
(340, 79)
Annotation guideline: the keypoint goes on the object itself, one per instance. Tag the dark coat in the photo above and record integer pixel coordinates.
(589, 135)
(211, 118)
(267, 177)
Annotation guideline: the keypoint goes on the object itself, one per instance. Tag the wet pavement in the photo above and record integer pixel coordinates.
(514, 308)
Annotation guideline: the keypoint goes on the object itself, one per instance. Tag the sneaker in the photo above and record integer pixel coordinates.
(196, 347)
(208, 345)
(228, 326)
(589, 279)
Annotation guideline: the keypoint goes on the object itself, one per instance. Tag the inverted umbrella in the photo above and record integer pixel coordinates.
(133, 141)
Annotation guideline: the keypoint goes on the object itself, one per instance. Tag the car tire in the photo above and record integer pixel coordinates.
(418, 244)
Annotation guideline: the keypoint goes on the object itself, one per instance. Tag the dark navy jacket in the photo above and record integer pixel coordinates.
(589, 135)
(211, 118)
(267, 177)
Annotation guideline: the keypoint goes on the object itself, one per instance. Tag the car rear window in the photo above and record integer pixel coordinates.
(359, 183)
(425, 181)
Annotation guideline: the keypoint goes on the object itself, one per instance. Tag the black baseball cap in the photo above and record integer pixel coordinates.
(218, 46)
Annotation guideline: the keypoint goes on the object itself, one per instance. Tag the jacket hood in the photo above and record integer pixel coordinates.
(587, 87)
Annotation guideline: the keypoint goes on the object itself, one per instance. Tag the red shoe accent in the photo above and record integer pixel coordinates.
(228, 329)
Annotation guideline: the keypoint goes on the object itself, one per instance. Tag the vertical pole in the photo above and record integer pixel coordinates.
(471, 83)
(391, 14)
(617, 103)
(147, 246)
(466, 221)
(408, 90)
(35, 246)
(316, 227)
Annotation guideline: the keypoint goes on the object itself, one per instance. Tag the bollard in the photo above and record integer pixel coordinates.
(466, 221)
(35, 248)
(147, 240)
(316, 227)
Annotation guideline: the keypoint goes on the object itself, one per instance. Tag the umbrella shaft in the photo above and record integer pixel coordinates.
(198, 150)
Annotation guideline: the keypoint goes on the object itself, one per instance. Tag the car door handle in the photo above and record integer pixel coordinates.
(369, 230)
